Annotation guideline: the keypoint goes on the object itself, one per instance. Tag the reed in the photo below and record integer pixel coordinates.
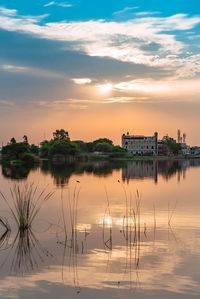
(25, 203)
(4, 223)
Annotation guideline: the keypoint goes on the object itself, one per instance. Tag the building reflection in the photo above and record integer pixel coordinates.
(153, 169)
(140, 170)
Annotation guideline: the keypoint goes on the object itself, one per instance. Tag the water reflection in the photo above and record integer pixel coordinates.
(152, 169)
(61, 173)
(23, 252)
(107, 240)
(16, 172)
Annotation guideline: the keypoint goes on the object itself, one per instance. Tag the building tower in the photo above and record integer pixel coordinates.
(184, 138)
(179, 136)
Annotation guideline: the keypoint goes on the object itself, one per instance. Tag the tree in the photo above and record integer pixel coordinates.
(119, 149)
(14, 151)
(60, 135)
(171, 145)
(103, 147)
(81, 145)
(63, 147)
(44, 150)
(25, 139)
(101, 140)
(34, 149)
(13, 140)
(90, 147)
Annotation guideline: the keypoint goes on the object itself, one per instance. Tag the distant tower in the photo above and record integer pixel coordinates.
(179, 136)
(184, 138)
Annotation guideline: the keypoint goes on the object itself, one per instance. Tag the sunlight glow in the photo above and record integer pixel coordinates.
(105, 88)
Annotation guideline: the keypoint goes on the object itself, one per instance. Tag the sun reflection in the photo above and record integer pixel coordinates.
(106, 220)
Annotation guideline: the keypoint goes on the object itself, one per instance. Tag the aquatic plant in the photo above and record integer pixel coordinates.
(71, 241)
(4, 223)
(25, 203)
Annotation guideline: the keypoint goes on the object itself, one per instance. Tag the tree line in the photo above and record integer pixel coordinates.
(60, 144)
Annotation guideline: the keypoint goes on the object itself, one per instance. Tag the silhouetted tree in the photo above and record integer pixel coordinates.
(25, 139)
(60, 135)
(12, 140)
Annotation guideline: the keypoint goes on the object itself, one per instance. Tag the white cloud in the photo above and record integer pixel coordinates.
(125, 10)
(146, 13)
(81, 81)
(49, 4)
(8, 12)
(120, 40)
(64, 5)
(57, 4)
(126, 99)
(13, 68)
(160, 87)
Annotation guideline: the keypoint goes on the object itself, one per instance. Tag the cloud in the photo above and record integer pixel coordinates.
(49, 4)
(134, 41)
(31, 71)
(78, 107)
(6, 103)
(160, 87)
(57, 4)
(62, 104)
(13, 68)
(126, 100)
(146, 13)
(81, 81)
(8, 12)
(125, 10)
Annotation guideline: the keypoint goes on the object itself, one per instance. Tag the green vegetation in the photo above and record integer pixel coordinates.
(171, 146)
(21, 153)
(59, 149)
(59, 145)
(26, 204)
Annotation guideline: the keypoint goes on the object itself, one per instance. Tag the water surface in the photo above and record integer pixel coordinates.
(123, 230)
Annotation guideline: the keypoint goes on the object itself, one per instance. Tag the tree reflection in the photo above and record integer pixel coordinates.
(61, 173)
(17, 172)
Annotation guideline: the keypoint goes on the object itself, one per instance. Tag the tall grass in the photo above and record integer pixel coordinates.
(4, 223)
(71, 240)
(25, 203)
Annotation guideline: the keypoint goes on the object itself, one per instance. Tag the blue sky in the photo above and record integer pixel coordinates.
(89, 9)
(113, 59)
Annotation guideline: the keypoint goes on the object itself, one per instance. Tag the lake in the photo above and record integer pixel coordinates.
(121, 230)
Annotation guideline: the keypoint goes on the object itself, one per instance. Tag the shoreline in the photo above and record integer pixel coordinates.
(94, 158)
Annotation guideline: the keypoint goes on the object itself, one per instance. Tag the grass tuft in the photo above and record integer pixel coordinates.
(25, 204)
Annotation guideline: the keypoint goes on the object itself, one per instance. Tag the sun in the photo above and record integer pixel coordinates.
(105, 88)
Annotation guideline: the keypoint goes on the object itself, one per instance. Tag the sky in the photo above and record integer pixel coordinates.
(99, 68)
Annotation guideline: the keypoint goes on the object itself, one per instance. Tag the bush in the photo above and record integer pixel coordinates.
(15, 151)
(28, 159)
(103, 147)
(63, 147)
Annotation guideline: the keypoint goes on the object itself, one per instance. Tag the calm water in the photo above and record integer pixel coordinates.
(127, 230)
